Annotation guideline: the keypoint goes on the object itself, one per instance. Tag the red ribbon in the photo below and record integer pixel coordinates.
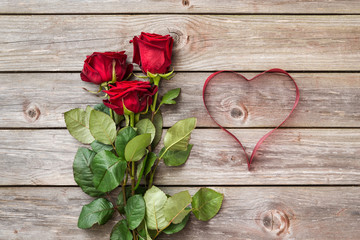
(274, 70)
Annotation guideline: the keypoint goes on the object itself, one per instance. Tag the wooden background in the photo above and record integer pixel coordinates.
(305, 181)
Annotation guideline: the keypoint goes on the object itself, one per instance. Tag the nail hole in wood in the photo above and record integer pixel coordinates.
(185, 3)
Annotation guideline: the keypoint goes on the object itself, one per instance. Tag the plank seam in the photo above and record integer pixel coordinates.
(197, 71)
(205, 185)
(180, 13)
(204, 128)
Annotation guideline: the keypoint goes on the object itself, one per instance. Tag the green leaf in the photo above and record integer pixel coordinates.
(77, 126)
(121, 232)
(120, 203)
(136, 148)
(140, 171)
(178, 136)
(120, 198)
(123, 137)
(98, 211)
(102, 127)
(108, 169)
(158, 123)
(135, 211)
(102, 108)
(82, 173)
(155, 200)
(206, 203)
(144, 233)
(98, 146)
(177, 158)
(118, 118)
(140, 168)
(169, 97)
(151, 158)
(174, 228)
(146, 126)
(174, 207)
(87, 115)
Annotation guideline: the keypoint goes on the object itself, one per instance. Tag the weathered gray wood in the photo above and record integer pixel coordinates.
(290, 156)
(247, 213)
(53, 43)
(327, 100)
(179, 6)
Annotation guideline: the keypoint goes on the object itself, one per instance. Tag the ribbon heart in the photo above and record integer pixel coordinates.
(261, 140)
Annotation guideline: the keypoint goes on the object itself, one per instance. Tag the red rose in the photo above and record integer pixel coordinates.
(135, 95)
(152, 52)
(99, 66)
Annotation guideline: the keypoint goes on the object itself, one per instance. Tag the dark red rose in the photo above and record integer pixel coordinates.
(135, 95)
(98, 67)
(152, 52)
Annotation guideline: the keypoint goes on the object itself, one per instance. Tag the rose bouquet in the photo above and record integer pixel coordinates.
(123, 132)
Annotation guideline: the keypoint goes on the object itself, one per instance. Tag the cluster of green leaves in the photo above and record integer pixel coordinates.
(152, 213)
(170, 214)
(119, 152)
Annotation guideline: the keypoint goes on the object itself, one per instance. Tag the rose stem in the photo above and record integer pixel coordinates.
(132, 163)
(156, 83)
(111, 114)
(153, 173)
(133, 178)
(107, 87)
(124, 184)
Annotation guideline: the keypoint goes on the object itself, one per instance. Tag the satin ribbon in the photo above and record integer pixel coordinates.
(274, 70)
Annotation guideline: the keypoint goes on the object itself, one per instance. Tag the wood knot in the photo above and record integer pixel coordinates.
(236, 109)
(31, 112)
(236, 113)
(275, 222)
(180, 37)
(185, 3)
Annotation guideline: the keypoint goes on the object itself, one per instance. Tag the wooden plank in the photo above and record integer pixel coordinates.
(61, 42)
(247, 213)
(327, 99)
(290, 156)
(179, 6)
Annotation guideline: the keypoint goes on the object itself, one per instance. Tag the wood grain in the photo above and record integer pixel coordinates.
(179, 6)
(38, 100)
(61, 42)
(310, 152)
(290, 156)
(247, 213)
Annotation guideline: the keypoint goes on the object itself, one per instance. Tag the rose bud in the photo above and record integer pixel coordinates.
(152, 52)
(98, 67)
(136, 96)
